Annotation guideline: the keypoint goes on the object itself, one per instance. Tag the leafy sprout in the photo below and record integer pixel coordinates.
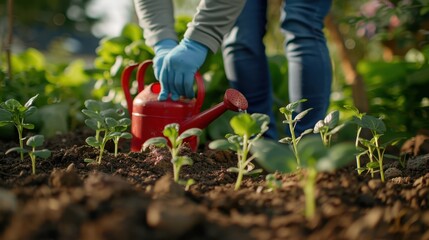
(288, 112)
(33, 142)
(373, 147)
(247, 128)
(176, 140)
(315, 156)
(107, 121)
(328, 127)
(13, 112)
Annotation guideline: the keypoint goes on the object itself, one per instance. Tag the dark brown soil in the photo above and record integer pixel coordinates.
(132, 196)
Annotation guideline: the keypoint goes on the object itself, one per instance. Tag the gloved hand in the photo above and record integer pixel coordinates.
(179, 68)
(162, 48)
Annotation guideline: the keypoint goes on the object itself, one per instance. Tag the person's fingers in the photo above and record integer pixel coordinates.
(176, 85)
(165, 90)
(188, 83)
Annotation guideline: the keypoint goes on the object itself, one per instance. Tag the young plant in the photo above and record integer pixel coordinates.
(357, 118)
(289, 112)
(272, 183)
(107, 121)
(315, 156)
(372, 147)
(247, 128)
(328, 127)
(13, 112)
(33, 142)
(171, 132)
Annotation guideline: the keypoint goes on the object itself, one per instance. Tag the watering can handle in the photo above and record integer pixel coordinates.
(126, 74)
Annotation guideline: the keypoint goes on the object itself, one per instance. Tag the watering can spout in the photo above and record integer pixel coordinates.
(233, 100)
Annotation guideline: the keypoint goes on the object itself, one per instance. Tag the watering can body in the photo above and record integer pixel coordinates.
(149, 116)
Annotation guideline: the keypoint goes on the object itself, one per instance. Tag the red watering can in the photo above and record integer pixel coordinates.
(149, 116)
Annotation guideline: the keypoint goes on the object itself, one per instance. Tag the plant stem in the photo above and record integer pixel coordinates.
(33, 161)
(380, 160)
(103, 144)
(294, 143)
(21, 142)
(176, 168)
(358, 156)
(116, 141)
(242, 162)
(310, 193)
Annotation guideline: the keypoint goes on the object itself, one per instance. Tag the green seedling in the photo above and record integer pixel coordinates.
(289, 112)
(33, 142)
(176, 140)
(328, 127)
(272, 183)
(372, 147)
(247, 128)
(107, 121)
(315, 156)
(13, 112)
(357, 118)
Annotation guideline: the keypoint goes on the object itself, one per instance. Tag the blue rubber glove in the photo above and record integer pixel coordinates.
(162, 48)
(179, 68)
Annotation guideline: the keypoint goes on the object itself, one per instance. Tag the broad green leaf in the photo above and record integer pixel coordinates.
(190, 132)
(302, 114)
(12, 105)
(93, 105)
(16, 149)
(273, 156)
(157, 141)
(4, 123)
(261, 119)
(93, 124)
(124, 122)
(28, 126)
(254, 172)
(318, 127)
(331, 120)
(286, 140)
(291, 107)
(109, 112)
(44, 153)
(310, 149)
(306, 132)
(221, 144)
(30, 111)
(92, 114)
(233, 169)
(337, 157)
(373, 123)
(92, 141)
(243, 124)
(5, 115)
(114, 134)
(35, 141)
(126, 135)
(182, 160)
(373, 165)
(171, 131)
(111, 122)
(30, 101)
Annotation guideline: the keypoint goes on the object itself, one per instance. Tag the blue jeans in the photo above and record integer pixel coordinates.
(310, 70)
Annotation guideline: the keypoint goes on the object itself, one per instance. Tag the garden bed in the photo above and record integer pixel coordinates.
(132, 196)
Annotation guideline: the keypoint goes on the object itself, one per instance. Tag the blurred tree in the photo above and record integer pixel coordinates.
(69, 14)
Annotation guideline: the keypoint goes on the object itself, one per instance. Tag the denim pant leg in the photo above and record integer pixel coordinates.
(246, 65)
(310, 70)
